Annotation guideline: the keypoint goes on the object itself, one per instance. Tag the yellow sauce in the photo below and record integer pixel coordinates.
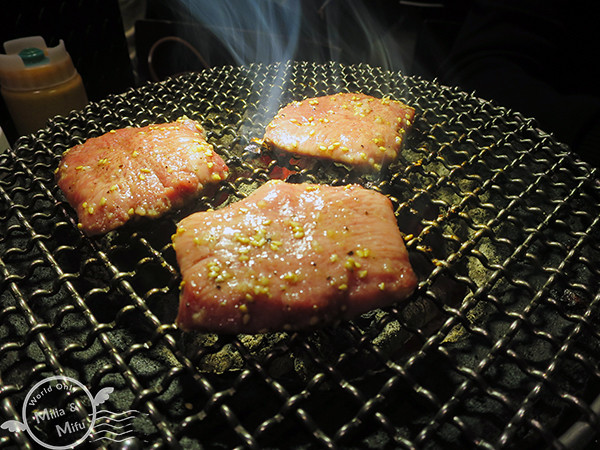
(38, 83)
(31, 109)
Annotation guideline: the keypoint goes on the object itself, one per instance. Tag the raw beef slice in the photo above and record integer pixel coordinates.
(356, 129)
(290, 256)
(137, 172)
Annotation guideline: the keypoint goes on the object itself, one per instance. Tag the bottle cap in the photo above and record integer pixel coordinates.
(29, 64)
(33, 56)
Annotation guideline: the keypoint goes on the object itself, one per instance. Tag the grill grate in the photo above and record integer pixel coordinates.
(498, 348)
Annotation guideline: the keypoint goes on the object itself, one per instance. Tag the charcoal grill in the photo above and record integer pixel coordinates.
(497, 348)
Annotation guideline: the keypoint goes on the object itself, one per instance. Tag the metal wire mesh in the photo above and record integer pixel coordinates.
(498, 348)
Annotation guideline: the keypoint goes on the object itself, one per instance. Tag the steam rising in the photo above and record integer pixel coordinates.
(252, 31)
(267, 31)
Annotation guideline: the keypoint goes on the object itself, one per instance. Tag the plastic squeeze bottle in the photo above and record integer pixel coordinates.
(38, 82)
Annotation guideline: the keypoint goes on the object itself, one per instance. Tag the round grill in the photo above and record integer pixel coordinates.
(497, 348)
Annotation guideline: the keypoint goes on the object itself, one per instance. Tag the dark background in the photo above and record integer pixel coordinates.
(532, 56)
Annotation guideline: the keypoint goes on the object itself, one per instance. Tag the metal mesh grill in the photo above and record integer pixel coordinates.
(498, 348)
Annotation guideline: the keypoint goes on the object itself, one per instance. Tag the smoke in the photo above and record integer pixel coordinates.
(278, 31)
(252, 31)
(368, 32)
(267, 31)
